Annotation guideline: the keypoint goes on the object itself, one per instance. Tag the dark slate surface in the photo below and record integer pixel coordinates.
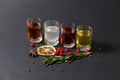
(102, 15)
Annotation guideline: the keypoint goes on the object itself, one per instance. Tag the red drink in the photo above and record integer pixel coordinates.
(68, 35)
(34, 31)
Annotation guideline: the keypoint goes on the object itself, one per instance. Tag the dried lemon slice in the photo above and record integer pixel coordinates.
(46, 50)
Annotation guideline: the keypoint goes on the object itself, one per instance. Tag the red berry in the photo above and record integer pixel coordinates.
(61, 50)
(61, 53)
(70, 53)
(87, 50)
(58, 48)
(77, 50)
(56, 53)
(32, 45)
(66, 49)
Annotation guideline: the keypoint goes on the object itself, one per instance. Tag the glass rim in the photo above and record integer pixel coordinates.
(84, 27)
(51, 20)
(32, 19)
(67, 24)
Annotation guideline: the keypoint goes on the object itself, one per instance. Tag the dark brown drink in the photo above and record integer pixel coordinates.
(34, 31)
(68, 34)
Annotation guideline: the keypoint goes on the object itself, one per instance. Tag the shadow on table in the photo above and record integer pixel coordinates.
(102, 47)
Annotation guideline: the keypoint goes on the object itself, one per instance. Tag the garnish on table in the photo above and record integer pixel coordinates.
(32, 45)
(59, 55)
(33, 53)
(46, 50)
(65, 58)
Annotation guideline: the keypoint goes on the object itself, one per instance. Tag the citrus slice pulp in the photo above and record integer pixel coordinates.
(46, 50)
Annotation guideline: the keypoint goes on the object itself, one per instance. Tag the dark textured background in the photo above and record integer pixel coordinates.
(102, 15)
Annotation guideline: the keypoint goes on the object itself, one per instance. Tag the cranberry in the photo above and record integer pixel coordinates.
(61, 50)
(58, 48)
(32, 45)
(61, 53)
(70, 53)
(56, 53)
(88, 50)
(77, 50)
(66, 49)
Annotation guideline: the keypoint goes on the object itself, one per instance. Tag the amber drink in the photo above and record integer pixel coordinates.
(34, 30)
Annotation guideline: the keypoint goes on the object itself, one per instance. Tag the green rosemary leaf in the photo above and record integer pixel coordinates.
(51, 60)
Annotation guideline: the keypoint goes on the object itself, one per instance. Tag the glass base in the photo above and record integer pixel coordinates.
(52, 43)
(38, 40)
(84, 49)
(69, 45)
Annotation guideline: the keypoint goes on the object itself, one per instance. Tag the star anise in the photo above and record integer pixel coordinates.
(33, 53)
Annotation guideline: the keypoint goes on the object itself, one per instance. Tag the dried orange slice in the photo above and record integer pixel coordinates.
(46, 50)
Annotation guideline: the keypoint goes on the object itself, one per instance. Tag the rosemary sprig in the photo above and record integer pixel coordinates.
(69, 58)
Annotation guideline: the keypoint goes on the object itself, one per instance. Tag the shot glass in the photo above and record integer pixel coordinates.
(67, 38)
(34, 30)
(51, 32)
(84, 37)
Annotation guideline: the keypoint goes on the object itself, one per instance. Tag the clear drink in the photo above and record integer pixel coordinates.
(84, 37)
(51, 32)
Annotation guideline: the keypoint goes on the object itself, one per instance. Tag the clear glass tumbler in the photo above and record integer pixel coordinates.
(68, 32)
(51, 32)
(34, 30)
(84, 37)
